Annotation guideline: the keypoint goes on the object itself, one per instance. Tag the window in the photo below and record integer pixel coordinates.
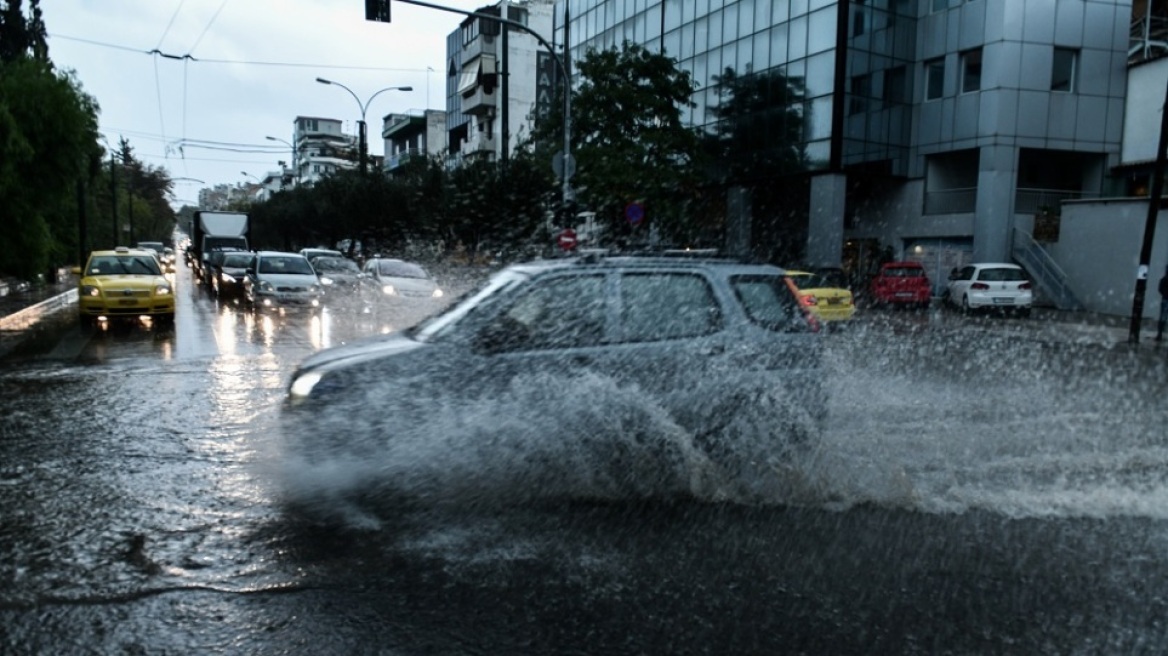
(895, 87)
(971, 70)
(667, 306)
(1063, 70)
(567, 312)
(934, 78)
(861, 90)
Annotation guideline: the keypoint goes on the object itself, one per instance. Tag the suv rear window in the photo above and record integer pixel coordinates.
(770, 303)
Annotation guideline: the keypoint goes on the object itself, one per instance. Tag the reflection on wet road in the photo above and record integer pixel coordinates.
(981, 489)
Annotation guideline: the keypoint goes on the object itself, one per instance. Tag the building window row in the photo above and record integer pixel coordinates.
(1063, 73)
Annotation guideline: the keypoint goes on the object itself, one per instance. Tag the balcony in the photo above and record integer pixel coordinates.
(483, 45)
(398, 160)
(951, 201)
(1034, 201)
(478, 102)
(478, 146)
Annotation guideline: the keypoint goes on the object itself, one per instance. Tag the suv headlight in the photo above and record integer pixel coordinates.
(301, 387)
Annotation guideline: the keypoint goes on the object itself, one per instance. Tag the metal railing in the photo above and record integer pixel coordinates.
(1049, 276)
(1032, 201)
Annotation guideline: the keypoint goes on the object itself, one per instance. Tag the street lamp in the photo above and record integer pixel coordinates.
(293, 150)
(362, 143)
(258, 181)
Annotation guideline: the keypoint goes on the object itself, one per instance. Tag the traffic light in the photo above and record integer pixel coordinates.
(377, 10)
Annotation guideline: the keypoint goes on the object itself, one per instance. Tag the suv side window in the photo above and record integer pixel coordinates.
(657, 306)
(770, 303)
(563, 312)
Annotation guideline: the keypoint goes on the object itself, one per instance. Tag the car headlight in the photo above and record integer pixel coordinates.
(90, 290)
(437, 293)
(266, 286)
(326, 280)
(388, 290)
(302, 385)
(162, 290)
(227, 278)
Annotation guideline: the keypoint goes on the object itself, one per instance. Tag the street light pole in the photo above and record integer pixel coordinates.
(295, 166)
(362, 142)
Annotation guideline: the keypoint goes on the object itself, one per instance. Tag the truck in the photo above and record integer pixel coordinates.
(213, 232)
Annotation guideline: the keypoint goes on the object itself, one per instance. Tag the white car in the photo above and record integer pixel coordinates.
(281, 280)
(991, 286)
(389, 279)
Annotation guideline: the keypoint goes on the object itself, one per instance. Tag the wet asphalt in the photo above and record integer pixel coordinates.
(985, 485)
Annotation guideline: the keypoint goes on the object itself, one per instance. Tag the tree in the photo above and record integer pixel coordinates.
(44, 155)
(629, 141)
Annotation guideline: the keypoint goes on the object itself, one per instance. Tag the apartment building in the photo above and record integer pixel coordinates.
(935, 130)
(411, 135)
(497, 80)
(322, 147)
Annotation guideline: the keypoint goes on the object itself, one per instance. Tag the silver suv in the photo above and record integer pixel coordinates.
(593, 377)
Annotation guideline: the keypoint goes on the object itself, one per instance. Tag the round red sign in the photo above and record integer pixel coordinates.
(567, 239)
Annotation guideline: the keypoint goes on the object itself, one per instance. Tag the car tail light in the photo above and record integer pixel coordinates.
(1024, 285)
(981, 286)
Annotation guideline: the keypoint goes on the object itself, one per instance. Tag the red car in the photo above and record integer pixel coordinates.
(902, 283)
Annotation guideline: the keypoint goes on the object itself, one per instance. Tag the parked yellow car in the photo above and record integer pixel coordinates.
(824, 300)
(126, 283)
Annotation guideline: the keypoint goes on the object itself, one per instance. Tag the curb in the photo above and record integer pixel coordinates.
(29, 316)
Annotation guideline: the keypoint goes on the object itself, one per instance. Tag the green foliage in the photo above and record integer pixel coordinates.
(630, 143)
(44, 155)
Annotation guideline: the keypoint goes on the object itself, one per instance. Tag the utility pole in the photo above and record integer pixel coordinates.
(1154, 202)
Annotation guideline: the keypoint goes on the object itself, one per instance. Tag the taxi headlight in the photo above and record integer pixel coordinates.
(90, 290)
(162, 290)
(302, 385)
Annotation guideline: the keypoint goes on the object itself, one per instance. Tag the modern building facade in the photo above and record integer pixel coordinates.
(497, 80)
(935, 130)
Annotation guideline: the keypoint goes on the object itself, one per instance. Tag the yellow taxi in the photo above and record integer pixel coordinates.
(126, 283)
(824, 300)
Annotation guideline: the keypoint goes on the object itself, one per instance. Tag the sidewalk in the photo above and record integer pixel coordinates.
(21, 309)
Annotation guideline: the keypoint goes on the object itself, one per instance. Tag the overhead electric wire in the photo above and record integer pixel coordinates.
(244, 62)
(208, 27)
(170, 24)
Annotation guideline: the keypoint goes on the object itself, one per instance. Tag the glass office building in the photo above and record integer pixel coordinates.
(929, 128)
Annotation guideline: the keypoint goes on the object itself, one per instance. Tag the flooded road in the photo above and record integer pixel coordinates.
(983, 486)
